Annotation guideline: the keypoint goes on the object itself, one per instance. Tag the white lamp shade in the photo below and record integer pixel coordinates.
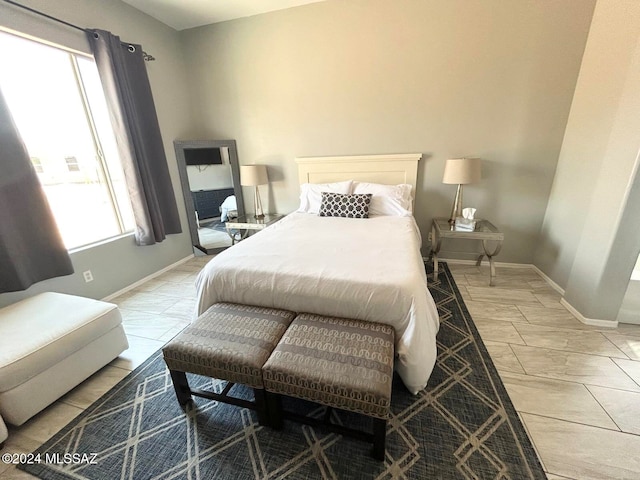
(461, 171)
(252, 175)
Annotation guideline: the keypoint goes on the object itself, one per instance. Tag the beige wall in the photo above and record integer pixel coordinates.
(118, 263)
(591, 232)
(491, 79)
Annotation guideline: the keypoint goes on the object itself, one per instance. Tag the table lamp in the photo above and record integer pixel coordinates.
(460, 171)
(252, 176)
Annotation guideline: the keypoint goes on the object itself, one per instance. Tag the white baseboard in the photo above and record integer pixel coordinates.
(551, 283)
(587, 321)
(596, 322)
(147, 278)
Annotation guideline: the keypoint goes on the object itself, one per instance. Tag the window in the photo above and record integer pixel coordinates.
(37, 164)
(57, 102)
(72, 164)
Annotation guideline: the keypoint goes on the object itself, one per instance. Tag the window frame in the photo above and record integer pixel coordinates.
(101, 164)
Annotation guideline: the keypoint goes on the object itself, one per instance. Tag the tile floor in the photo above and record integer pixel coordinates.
(576, 387)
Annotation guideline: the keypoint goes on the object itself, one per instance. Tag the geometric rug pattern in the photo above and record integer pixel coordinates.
(461, 426)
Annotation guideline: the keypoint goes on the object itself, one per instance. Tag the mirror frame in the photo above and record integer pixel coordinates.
(180, 146)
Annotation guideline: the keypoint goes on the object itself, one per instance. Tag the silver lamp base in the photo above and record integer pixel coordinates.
(257, 204)
(456, 211)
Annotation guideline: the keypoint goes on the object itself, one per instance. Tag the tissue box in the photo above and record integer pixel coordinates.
(464, 225)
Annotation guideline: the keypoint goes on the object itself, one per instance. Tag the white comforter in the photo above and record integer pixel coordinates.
(368, 269)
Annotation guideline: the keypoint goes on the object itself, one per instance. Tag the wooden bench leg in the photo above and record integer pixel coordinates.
(379, 438)
(274, 406)
(181, 386)
(260, 398)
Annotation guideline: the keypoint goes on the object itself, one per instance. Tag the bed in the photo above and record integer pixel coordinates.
(368, 269)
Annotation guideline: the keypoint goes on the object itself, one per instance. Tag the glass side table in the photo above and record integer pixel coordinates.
(248, 223)
(485, 231)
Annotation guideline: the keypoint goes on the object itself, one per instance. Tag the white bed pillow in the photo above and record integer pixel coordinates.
(391, 200)
(311, 194)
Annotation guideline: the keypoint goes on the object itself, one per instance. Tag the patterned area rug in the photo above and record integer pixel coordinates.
(462, 425)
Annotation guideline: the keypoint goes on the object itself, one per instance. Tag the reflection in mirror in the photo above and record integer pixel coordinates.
(211, 189)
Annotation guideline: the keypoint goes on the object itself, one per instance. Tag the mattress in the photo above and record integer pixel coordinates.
(366, 269)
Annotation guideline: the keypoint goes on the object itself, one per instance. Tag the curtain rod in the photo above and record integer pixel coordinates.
(145, 55)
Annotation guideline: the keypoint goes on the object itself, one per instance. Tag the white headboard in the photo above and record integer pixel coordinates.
(385, 169)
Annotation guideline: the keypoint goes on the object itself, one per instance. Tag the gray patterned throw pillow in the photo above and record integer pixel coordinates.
(343, 205)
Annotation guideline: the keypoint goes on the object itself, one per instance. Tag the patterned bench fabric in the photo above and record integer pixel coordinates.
(229, 342)
(338, 362)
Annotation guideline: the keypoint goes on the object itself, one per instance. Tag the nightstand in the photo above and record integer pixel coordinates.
(485, 231)
(245, 224)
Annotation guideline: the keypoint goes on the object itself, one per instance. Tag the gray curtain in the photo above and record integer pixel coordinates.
(31, 248)
(133, 116)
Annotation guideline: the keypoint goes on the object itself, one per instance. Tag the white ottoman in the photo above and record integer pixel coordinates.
(50, 343)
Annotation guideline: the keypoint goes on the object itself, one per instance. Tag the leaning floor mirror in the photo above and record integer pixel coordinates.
(210, 179)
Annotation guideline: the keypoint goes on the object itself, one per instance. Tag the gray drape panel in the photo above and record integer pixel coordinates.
(31, 248)
(133, 116)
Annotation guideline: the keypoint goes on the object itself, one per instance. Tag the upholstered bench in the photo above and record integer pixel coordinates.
(229, 342)
(337, 362)
(49, 343)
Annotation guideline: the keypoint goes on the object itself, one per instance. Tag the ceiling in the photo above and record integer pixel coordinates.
(183, 14)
